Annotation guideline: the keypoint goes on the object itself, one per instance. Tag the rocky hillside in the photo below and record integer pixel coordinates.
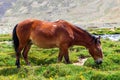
(88, 13)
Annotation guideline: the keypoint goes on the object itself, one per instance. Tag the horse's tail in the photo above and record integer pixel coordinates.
(15, 39)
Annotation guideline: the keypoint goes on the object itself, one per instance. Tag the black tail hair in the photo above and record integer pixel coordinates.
(15, 39)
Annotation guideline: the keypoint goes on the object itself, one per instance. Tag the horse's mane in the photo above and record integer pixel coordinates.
(93, 38)
(80, 29)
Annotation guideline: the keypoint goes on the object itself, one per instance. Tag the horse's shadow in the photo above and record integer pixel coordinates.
(8, 71)
(42, 61)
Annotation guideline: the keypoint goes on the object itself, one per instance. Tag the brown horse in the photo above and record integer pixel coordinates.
(60, 34)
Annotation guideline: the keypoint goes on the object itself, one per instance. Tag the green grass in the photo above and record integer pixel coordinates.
(105, 31)
(5, 37)
(44, 64)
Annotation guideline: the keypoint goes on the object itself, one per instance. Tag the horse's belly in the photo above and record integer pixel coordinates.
(44, 40)
(45, 43)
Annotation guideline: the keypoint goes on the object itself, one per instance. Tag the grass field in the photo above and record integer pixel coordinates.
(44, 64)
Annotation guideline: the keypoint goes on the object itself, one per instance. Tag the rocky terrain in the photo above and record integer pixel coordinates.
(84, 13)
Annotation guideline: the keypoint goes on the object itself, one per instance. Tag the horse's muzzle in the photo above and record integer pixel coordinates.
(98, 61)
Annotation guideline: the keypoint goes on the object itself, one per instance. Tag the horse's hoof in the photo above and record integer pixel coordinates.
(18, 66)
(28, 64)
(68, 62)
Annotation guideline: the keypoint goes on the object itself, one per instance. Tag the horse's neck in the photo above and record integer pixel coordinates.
(81, 37)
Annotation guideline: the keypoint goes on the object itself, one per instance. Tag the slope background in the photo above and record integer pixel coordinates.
(84, 13)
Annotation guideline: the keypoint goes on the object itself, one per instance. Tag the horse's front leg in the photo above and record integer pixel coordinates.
(66, 56)
(60, 56)
(64, 52)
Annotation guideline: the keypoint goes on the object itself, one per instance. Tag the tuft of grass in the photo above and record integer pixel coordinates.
(107, 64)
(5, 37)
(6, 60)
(106, 76)
(115, 58)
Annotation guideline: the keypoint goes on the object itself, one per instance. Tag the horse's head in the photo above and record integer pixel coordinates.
(96, 50)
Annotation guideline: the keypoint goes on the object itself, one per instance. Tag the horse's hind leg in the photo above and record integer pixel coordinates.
(25, 52)
(18, 54)
(64, 52)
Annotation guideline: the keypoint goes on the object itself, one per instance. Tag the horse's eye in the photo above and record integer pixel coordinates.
(99, 42)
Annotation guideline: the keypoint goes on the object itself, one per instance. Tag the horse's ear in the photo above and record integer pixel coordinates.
(99, 37)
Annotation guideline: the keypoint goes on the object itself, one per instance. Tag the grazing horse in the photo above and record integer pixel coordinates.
(60, 34)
